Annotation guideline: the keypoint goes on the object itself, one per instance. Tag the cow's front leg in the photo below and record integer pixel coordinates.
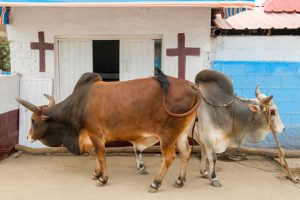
(212, 159)
(101, 171)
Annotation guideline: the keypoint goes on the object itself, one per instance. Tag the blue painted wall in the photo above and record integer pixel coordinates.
(281, 79)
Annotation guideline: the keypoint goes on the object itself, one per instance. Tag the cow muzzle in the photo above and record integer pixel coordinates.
(280, 129)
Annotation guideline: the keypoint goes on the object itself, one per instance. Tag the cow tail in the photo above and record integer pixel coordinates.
(196, 105)
(162, 79)
(164, 83)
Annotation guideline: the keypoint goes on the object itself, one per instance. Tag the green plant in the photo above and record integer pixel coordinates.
(4, 55)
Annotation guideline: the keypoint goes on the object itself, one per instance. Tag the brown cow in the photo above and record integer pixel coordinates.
(135, 111)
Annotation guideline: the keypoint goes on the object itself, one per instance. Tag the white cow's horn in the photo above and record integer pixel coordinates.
(257, 91)
(267, 100)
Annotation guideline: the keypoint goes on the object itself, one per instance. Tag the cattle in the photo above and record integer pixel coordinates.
(226, 120)
(141, 111)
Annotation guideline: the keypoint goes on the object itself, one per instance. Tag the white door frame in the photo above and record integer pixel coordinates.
(96, 37)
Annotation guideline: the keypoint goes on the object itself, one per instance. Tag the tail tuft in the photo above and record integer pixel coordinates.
(162, 79)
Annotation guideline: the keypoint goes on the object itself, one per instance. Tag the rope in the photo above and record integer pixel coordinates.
(196, 105)
(265, 170)
(283, 162)
(193, 133)
(214, 105)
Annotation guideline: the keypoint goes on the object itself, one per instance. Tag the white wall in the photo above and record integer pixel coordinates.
(26, 22)
(9, 89)
(256, 48)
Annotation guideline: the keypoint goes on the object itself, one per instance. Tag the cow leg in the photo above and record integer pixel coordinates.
(203, 162)
(139, 146)
(96, 174)
(168, 156)
(139, 161)
(184, 150)
(212, 158)
(100, 171)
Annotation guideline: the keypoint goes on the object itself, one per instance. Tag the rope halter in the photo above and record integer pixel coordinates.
(266, 102)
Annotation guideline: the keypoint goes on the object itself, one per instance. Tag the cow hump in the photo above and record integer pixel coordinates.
(215, 87)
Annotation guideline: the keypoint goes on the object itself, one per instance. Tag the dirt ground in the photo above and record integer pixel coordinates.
(68, 177)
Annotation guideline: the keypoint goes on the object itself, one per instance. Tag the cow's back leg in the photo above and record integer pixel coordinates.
(101, 173)
(139, 161)
(96, 174)
(203, 136)
(212, 159)
(203, 162)
(139, 146)
(184, 150)
(168, 156)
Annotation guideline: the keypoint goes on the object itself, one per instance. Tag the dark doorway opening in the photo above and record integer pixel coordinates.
(106, 55)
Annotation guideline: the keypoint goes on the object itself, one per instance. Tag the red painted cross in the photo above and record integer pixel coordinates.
(42, 46)
(182, 52)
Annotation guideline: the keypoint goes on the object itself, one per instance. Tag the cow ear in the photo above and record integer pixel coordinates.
(254, 108)
(45, 118)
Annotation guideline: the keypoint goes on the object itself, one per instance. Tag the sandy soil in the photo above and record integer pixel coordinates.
(68, 177)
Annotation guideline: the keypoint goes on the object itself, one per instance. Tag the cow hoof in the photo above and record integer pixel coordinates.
(102, 180)
(154, 186)
(204, 174)
(94, 176)
(216, 183)
(153, 190)
(143, 171)
(178, 184)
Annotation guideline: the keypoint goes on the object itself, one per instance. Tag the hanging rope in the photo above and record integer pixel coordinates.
(283, 162)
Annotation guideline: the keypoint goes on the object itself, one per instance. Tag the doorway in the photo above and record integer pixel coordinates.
(106, 56)
(114, 58)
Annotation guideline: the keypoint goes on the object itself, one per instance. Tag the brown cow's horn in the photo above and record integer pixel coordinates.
(28, 105)
(257, 91)
(267, 100)
(51, 100)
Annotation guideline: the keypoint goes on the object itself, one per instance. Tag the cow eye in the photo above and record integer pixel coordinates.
(32, 121)
(273, 112)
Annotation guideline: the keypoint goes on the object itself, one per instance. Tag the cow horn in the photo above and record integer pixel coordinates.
(257, 91)
(267, 100)
(28, 105)
(51, 100)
